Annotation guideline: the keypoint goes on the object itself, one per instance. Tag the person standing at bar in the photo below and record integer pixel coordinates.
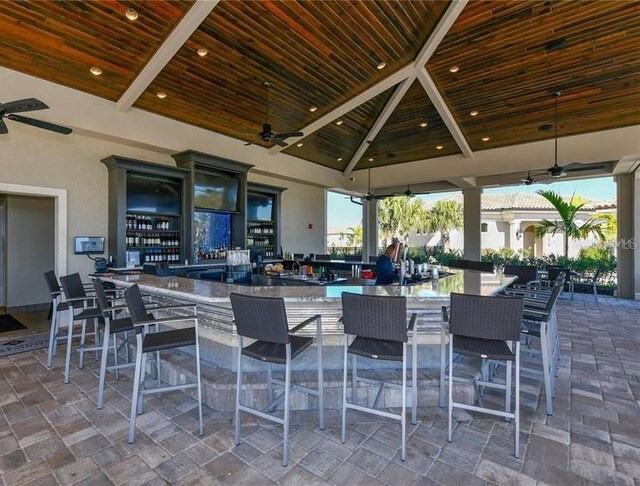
(385, 271)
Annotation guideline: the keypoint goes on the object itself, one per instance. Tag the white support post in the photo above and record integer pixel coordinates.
(369, 229)
(472, 236)
(627, 275)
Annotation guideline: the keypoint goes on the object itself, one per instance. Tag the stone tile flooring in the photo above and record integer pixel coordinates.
(51, 433)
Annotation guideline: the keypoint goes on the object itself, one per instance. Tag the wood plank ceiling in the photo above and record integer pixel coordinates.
(61, 40)
(508, 70)
(511, 55)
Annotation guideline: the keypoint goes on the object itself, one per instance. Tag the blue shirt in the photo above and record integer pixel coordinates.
(385, 273)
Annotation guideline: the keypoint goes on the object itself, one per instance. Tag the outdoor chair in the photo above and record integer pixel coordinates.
(552, 274)
(376, 328)
(542, 324)
(264, 320)
(481, 266)
(590, 280)
(527, 275)
(487, 328)
(154, 342)
(323, 257)
(77, 302)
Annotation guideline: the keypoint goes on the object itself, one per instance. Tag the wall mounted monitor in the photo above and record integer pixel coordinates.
(259, 207)
(215, 192)
(147, 194)
(88, 245)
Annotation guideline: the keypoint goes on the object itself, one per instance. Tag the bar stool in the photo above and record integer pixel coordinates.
(527, 275)
(486, 328)
(77, 298)
(379, 329)
(265, 320)
(148, 342)
(112, 326)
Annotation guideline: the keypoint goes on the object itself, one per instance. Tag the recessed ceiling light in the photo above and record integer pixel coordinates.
(299, 144)
(161, 94)
(439, 147)
(381, 65)
(313, 108)
(339, 122)
(454, 69)
(131, 14)
(473, 113)
(202, 52)
(486, 139)
(95, 70)
(370, 160)
(423, 124)
(339, 159)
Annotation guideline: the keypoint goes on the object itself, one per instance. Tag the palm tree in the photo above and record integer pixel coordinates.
(567, 223)
(610, 225)
(445, 217)
(398, 216)
(354, 236)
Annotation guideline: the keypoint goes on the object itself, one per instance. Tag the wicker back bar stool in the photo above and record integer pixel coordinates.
(487, 328)
(376, 327)
(264, 320)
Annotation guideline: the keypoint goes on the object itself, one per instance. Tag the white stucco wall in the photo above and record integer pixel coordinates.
(36, 157)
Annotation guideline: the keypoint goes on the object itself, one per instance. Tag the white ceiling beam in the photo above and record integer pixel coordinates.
(447, 20)
(464, 182)
(444, 112)
(426, 52)
(176, 39)
(384, 115)
(349, 105)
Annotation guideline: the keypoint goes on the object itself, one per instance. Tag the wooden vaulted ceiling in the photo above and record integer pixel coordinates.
(511, 55)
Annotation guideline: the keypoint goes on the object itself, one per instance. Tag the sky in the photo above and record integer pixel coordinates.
(343, 213)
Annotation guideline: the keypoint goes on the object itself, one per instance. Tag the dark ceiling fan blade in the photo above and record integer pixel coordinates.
(40, 124)
(288, 134)
(277, 141)
(384, 196)
(577, 167)
(28, 104)
(3, 127)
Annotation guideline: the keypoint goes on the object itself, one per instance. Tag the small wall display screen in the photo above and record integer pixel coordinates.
(152, 195)
(259, 207)
(215, 192)
(86, 245)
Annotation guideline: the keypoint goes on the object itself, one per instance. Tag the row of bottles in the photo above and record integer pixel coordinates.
(147, 223)
(162, 255)
(258, 242)
(260, 228)
(213, 254)
(152, 239)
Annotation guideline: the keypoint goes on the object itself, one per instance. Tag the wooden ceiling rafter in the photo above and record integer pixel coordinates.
(187, 25)
(430, 46)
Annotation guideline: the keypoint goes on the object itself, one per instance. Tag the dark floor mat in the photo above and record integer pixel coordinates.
(10, 323)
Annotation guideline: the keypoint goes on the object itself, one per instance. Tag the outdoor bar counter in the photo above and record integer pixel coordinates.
(217, 331)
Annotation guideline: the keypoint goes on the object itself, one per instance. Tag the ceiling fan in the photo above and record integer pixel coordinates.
(560, 171)
(267, 135)
(369, 195)
(9, 110)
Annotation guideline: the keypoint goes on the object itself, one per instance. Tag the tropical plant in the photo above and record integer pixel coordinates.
(445, 217)
(354, 235)
(567, 223)
(610, 226)
(398, 216)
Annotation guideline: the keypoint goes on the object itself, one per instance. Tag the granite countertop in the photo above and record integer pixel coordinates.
(211, 292)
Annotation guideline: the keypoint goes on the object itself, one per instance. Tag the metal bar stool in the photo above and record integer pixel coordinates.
(148, 342)
(265, 320)
(77, 298)
(380, 332)
(486, 328)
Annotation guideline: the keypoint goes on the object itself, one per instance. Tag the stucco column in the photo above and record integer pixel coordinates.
(472, 236)
(512, 237)
(627, 273)
(369, 228)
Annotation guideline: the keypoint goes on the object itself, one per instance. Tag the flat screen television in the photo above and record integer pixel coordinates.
(215, 192)
(88, 245)
(152, 195)
(259, 207)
